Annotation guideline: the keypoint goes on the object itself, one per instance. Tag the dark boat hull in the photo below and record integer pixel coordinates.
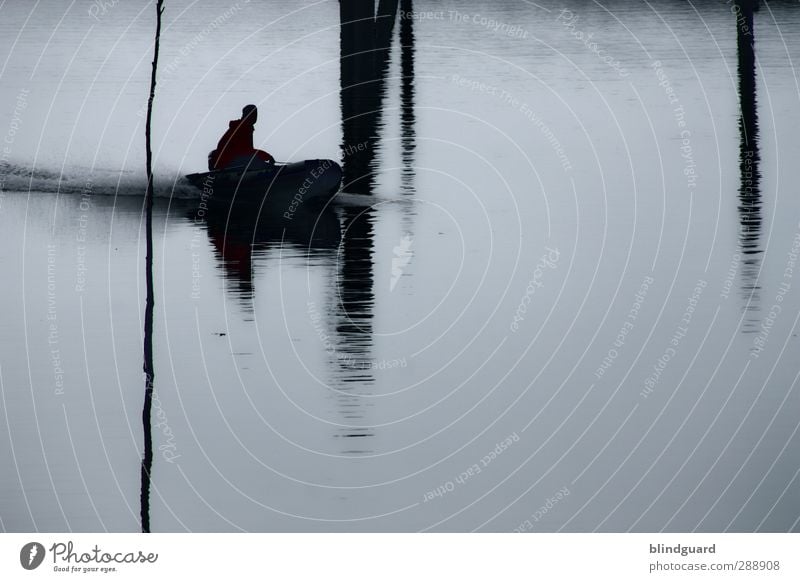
(288, 185)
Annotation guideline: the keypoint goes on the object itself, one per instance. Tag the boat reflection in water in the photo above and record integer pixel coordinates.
(239, 233)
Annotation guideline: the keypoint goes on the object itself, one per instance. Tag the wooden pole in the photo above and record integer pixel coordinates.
(149, 372)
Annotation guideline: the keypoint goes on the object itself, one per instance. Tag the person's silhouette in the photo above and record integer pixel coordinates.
(235, 147)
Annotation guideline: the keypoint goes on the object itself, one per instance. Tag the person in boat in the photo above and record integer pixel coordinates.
(235, 147)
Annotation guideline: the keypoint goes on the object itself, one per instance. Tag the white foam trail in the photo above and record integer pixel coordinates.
(96, 182)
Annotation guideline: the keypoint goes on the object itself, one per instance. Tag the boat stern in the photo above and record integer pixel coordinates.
(324, 177)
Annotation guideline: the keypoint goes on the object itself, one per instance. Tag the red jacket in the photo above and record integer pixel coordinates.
(237, 141)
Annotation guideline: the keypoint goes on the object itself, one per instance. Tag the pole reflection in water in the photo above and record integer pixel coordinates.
(749, 158)
(353, 323)
(149, 373)
(365, 41)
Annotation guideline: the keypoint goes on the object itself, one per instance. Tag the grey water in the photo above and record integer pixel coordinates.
(560, 291)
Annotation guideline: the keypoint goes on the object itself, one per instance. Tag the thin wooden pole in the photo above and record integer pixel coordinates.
(149, 372)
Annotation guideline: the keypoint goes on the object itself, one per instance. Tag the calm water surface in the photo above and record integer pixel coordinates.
(565, 297)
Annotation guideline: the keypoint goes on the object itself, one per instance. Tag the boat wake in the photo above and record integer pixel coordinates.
(96, 182)
(361, 201)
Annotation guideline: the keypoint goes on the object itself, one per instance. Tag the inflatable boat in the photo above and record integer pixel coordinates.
(283, 184)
